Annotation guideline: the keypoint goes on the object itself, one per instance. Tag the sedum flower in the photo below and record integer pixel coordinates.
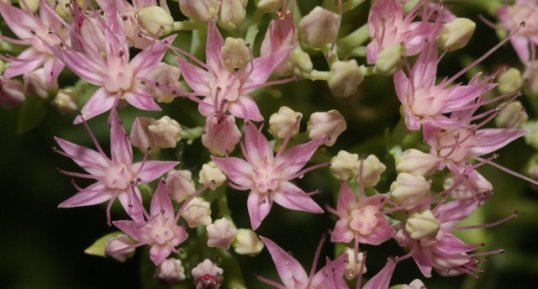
(120, 248)
(246, 242)
(268, 176)
(319, 27)
(211, 176)
(345, 78)
(180, 185)
(345, 166)
(149, 133)
(197, 212)
(155, 20)
(285, 123)
(220, 234)
(207, 275)
(11, 93)
(410, 191)
(170, 270)
(525, 39)
(220, 134)
(456, 34)
(326, 125)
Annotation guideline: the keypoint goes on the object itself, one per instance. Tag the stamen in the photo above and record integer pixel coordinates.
(269, 282)
(316, 257)
(92, 137)
(514, 215)
(509, 171)
(186, 203)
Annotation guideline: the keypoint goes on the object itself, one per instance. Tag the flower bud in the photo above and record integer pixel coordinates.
(232, 13)
(417, 163)
(36, 83)
(355, 264)
(197, 212)
(389, 59)
(299, 62)
(180, 185)
(220, 134)
(531, 78)
(165, 82)
(211, 176)
(285, 123)
(345, 166)
(11, 93)
(246, 242)
(409, 190)
(510, 81)
(456, 34)
(29, 5)
(319, 27)
(372, 168)
(472, 186)
(155, 20)
(220, 234)
(328, 125)
(199, 10)
(66, 101)
(170, 270)
(512, 115)
(422, 225)
(269, 5)
(148, 133)
(207, 275)
(63, 8)
(120, 248)
(345, 78)
(416, 284)
(235, 53)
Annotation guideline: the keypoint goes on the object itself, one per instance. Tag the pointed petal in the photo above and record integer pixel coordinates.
(98, 103)
(120, 145)
(331, 276)
(382, 279)
(148, 58)
(341, 232)
(131, 228)
(213, 47)
(246, 108)
(346, 198)
(161, 203)
(260, 69)
(81, 65)
(521, 46)
(28, 61)
(151, 170)
(292, 197)
(489, 140)
(91, 195)
(258, 208)
(19, 21)
(53, 67)
(289, 270)
(257, 148)
(294, 159)
(455, 211)
(157, 253)
(142, 100)
(425, 70)
(196, 78)
(401, 85)
(131, 201)
(236, 169)
(90, 160)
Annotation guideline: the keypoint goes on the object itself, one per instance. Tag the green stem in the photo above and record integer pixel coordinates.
(346, 6)
(355, 38)
(253, 29)
(185, 25)
(318, 75)
(198, 41)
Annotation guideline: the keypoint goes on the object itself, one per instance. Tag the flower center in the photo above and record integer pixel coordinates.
(119, 75)
(265, 179)
(364, 220)
(527, 13)
(428, 101)
(118, 177)
(454, 144)
(163, 231)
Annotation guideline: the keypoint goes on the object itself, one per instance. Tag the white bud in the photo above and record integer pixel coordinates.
(345, 78)
(532, 133)
(328, 125)
(180, 185)
(197, 212)
(531, 78)
(120, 247)
(269, 5)
(319, 27)
(211, 176)
(220, 234)
(246, 242)
(164, 82)
(170, 270)
(285, 123)
(355, 264)
(36, 83)
(389, 59)
(345, 166)
(11, 93)
(512, 115)
(207, 275)
(29, 5)
(232, 13)
(372, 168)
(155, 20)
(422, 225)
(299, 62)
(199, 10)
(166, 132)
(456, 34)
(220, 134)
(418, 163)
(66, 101)
(409, 190)
(510, 80)
(416, 284)
(235, 53)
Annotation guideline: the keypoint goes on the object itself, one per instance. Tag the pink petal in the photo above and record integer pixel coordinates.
(148, 58)
(98, 103)
(423, 259)
(81, 65)
(90, 160)
(342, 232)
(158, 253)
(28, 61)
(213, 47)
(260, 69)
(237, 170)
(289, 270)
(246, 108)
(53, 67)
(489, 140)
(161, 203)
(196, 78)
(455, 211)
(120, 146)
(257, 148)
(401, 85)
(19, 21)
(131, 201)
(346, 199)
(131, 228)
(425, 69)
(152, 170)
(521, 46)
(258, 208)
(292, 197)
(331, 276)
(142, 100)
(294, 159)
(382, 279)
(91, 195)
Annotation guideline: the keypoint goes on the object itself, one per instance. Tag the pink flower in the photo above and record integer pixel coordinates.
(159, 229)
(38, 32)
(223, 90)
(361, 219)
(101, 57)
(115, 176)
(381, 280)
(526, 38)
(268, 176)
(293, 276)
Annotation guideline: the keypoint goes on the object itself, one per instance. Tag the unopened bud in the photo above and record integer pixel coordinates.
(531, 78)
(246, 242)
(345, 166)
(37, 83)
(66, 101)
(149, 133)
(235, 53)
(165, 80)
(29, 5)
(11, 93)
(372, 168)
(409, 190)
(197, 212)
(269, 5)
(170, 270)
(319, 27)
(390, 59)
(211, 176)
(299, 62)
(416, 284)
(422, 225)
(418, 163)
(180, 185)
(232, 13)
(220, 234)
(285, 123)
(327, 125)
(510, 81)
(220, 134)
(456, 34)
(512, 115)
(199, 10)
(155, 20)
(63, 8)
(532, 133)
(120, 248)
(355, 265)
(207, 275)
(345, 78)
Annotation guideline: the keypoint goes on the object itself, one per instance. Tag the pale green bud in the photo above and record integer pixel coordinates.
(211, 176)
(418, 163)
(155, 20)
(354, 265)
(319, 27)
(510, 81)
(345, 77)
(390, 59)
(328, 125)
(456, 34)
(246, 242)
(199, 10)
(235, 53)
(531, 78)
(300, 62)
(532, 133)
(422, 225)
(66, 101)
(29, 5)
(409, 190)
(232, 13)
(197, 212)
(269, 5)
(372, 168)
(285, 123)
(512, 115)
(345, 166)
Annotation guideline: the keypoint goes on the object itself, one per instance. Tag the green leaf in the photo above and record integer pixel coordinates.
(32, 112)
(98, 247)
